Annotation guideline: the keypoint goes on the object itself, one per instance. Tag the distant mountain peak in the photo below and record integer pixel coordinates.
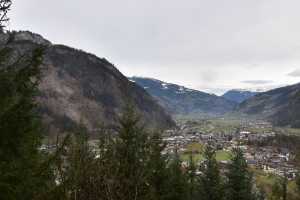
(239, 95)
(280, 106)
(78, 88)
(178, 99)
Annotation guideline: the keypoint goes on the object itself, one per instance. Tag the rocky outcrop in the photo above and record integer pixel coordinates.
(80, 88)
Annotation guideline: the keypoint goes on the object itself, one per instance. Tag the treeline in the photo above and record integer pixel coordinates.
(127, 163)
(131, 165)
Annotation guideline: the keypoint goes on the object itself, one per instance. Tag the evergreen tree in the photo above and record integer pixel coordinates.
(177, 180)
(79, 171)
(158, 173)
(211, 182)
(24, 169)
(239, 179)
(107, 170)
(279, 189)
(193, 182)
(284, 186)
(298, 183)
(23, 174)
(130, 158)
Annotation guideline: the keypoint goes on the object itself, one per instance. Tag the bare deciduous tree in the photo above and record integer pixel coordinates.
(4, 8)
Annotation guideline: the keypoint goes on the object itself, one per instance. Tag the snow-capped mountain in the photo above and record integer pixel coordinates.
(178, 99)
(239, 95)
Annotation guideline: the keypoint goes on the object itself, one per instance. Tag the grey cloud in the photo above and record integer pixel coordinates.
(257, 82)
(174, 39)
(199, 32)
(295, 73)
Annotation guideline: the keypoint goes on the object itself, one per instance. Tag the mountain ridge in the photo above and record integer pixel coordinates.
(239, 95)
(80, 88)
(280, 106)
(179, 100)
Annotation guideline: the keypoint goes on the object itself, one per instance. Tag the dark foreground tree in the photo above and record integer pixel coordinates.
(177, 181)
(24, 169)
(131, 158)
(239, 179)
(279, 188)
(76, 171)
(23, 174)
(4, 8)
(157, 166)
(211, 182)
(122, 167)
(192, 178)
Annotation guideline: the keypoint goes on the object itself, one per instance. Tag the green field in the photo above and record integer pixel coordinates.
(217, 125)
(230, 125)
(220, 156)
(198, 149)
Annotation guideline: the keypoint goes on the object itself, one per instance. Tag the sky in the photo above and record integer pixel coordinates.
(209, 45)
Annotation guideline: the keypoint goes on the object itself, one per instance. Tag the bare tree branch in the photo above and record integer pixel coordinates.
(4, 8)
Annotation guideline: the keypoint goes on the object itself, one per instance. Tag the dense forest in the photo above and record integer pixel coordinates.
(129, 162)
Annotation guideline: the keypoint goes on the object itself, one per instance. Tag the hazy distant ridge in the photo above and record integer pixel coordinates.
(181, 100)
(281, 106)
(239, 96)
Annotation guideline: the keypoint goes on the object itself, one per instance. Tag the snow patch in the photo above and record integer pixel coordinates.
(164, 86)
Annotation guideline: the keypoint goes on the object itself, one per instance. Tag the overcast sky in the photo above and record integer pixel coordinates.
(210, 45)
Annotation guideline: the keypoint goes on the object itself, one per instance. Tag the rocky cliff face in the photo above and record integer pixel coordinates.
(78, 87)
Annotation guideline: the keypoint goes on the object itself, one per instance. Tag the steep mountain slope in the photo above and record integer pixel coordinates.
(78, 87)
(281, 106)
(238, 96)
(180, 100)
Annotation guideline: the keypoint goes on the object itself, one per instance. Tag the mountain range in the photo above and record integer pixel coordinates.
(79, 88)
(280, 106)
(179, 100)
(239, 96)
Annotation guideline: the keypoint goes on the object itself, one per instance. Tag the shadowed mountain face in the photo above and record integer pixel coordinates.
(238, 96)
(180, 100)
(80, 88)
(281, 106)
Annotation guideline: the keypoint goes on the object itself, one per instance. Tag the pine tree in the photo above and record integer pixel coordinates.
(130, 158)
(24, 170)
(177, 180)
(157, 166)
(193, 182)
(23, 174)
(106, 169)
(298, 183)
(284, 185)
(211, 182)
(239, 179)
(279, 189)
